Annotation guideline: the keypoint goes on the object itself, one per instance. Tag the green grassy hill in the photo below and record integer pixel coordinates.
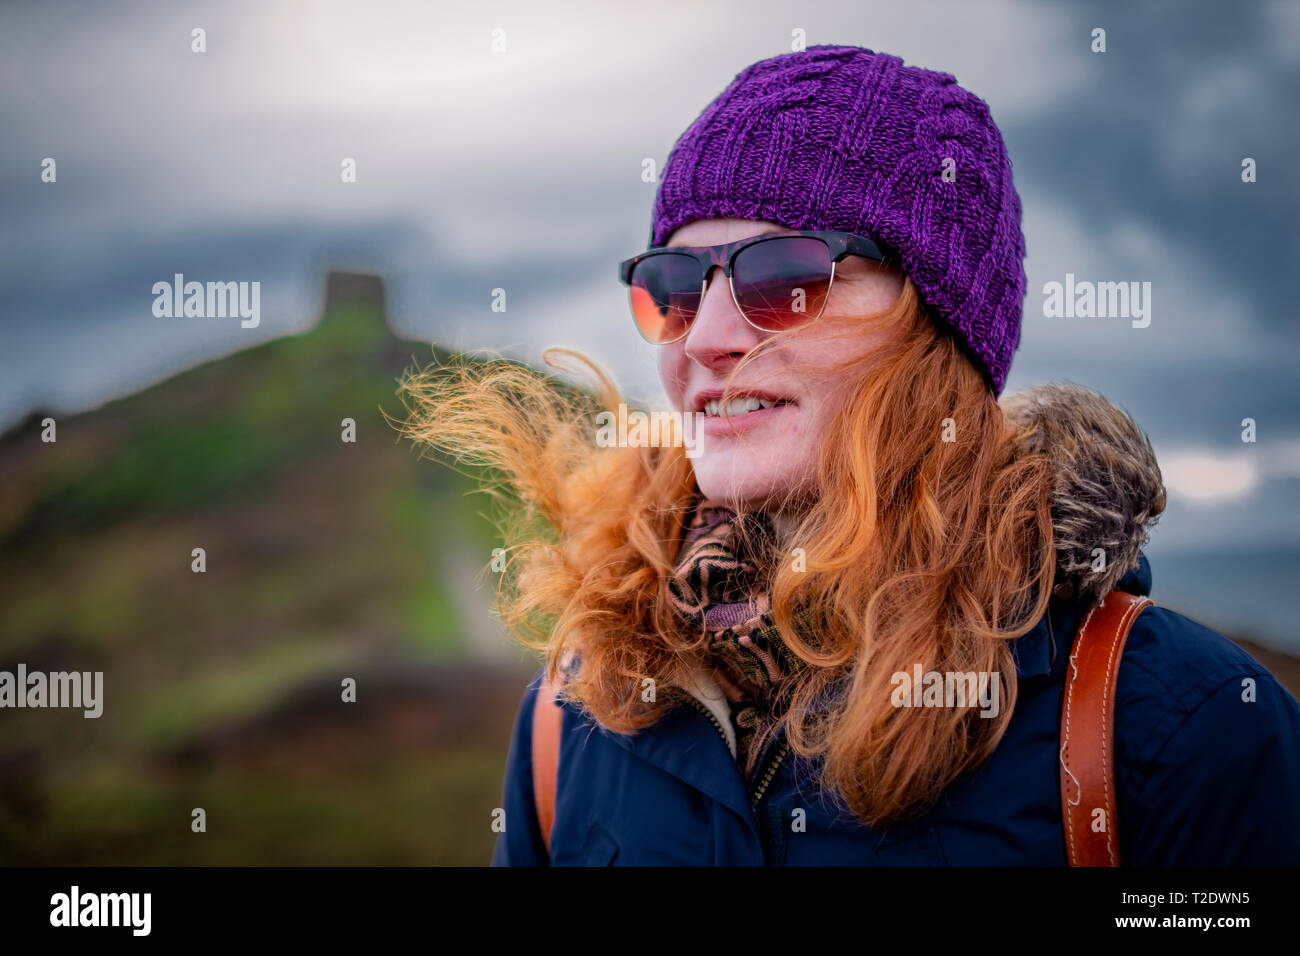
(324, 560)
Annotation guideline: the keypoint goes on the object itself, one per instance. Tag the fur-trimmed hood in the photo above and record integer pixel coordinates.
(1107, 491)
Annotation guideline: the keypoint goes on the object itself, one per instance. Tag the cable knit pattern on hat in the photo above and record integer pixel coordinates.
(840, 137)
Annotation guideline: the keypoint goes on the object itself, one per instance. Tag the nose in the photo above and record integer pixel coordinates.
(719, 336)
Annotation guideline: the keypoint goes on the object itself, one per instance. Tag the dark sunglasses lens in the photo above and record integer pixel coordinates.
(665, 295)
(783, 283)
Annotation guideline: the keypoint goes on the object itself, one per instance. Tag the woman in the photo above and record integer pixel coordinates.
(755, 638)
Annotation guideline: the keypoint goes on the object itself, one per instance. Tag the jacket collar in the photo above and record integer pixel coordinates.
(685, 746)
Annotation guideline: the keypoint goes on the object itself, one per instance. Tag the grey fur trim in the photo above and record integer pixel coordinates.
(1107, 491)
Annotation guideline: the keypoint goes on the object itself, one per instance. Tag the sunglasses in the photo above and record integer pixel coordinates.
(779, 280)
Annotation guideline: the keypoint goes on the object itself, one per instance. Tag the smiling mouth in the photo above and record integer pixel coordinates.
(739, 406)
(714, 408)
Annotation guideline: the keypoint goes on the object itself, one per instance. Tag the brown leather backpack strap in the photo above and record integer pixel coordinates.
(547, 718)
(1088, 730)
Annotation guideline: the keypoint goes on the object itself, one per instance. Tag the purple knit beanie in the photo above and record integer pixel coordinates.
(840, 137)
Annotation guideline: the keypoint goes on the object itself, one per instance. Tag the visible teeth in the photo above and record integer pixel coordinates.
(737, 406)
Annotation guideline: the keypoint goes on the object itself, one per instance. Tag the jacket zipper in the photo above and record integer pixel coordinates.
(772, 768)
(774, 763)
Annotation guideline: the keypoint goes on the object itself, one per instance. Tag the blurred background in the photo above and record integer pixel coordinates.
(502, 147)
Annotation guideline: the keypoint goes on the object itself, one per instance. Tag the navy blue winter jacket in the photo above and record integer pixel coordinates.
(1204, 776)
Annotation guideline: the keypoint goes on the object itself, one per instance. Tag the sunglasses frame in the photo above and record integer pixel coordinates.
(723, 255)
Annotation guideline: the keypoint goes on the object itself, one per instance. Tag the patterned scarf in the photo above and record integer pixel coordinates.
(721, 583)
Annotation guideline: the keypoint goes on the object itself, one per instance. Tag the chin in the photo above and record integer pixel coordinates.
(749, 484)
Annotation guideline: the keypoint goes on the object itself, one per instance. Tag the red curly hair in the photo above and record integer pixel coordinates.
(916, 550)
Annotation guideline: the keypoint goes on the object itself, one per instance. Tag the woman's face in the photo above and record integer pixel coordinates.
(760, 457)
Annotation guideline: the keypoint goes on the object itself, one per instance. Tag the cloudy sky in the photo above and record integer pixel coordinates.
(521, 169)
